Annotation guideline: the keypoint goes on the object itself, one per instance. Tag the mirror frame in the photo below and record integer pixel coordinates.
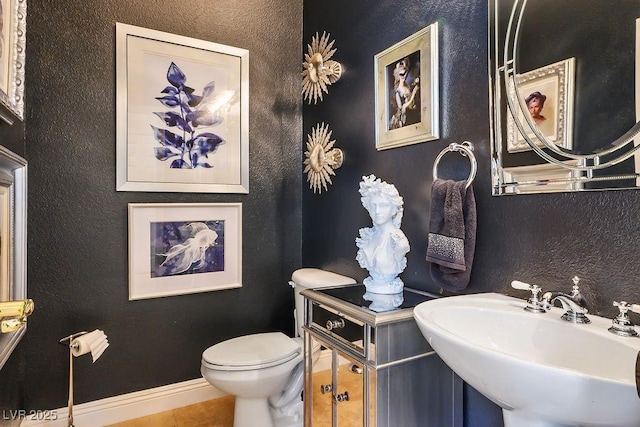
(13, 178)
(566, 171)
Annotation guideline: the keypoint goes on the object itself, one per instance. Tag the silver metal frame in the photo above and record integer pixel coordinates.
(466, 150)
(143, 286)
(15, 48)
(386, 345)
(175, 43)
(510, 73)
(13, 175)
(426, 41)
(504, 80)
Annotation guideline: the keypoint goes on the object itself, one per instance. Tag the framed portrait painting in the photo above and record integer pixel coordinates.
(13, 30)
(407, 91)
(548, 93)
(184, 248)
(182, 121)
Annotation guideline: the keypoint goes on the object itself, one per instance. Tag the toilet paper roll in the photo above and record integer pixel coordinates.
(94, 342)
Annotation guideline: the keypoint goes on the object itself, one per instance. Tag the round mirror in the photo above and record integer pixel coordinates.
(563, 95)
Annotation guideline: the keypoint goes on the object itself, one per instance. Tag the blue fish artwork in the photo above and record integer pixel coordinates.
(179, 248)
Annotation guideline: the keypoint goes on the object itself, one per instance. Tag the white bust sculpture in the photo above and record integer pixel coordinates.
(382, 248)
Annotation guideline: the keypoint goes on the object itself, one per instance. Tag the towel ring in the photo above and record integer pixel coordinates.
(466, 150)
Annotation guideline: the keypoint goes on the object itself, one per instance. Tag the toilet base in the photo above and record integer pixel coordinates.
(251, 413)
(290, 416)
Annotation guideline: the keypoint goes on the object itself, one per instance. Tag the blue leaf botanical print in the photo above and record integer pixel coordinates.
(176, 77)
(187, 148)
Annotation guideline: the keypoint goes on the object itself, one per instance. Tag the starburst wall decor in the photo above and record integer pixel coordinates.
(321, 158)
(319, 70)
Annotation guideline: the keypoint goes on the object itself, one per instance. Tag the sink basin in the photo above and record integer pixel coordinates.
(542, 371)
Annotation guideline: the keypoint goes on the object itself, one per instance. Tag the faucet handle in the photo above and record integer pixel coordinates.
(624, 307)
(534, 305)
(516, 284)
(621, 324)
(576, 289)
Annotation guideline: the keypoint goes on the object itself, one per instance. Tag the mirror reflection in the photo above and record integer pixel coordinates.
(563, 94)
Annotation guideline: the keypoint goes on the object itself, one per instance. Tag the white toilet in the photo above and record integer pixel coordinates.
(265, 372)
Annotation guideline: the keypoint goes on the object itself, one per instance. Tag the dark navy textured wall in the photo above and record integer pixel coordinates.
(77, 252)
(544, 239)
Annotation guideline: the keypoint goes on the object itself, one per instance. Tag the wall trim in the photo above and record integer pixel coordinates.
(138, 404)
(132, 405)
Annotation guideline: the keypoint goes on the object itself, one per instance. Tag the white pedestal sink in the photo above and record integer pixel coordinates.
(542, 371)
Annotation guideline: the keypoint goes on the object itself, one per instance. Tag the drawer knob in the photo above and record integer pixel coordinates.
(326, 388)
(342, 397)
(335, 324)
(355, 369)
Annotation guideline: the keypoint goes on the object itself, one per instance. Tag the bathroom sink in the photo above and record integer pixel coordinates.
(542, 371)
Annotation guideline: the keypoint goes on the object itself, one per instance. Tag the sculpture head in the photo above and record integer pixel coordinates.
(381, 200)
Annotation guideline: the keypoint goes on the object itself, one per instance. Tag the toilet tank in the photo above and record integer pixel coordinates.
(312, 278)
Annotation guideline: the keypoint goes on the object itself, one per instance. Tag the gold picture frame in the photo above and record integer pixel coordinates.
(407, 91)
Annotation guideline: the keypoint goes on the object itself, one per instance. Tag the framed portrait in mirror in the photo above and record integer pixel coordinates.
(548, 93)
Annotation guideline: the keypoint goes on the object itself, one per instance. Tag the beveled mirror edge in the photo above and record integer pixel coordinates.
(14, 166)
(505, 179)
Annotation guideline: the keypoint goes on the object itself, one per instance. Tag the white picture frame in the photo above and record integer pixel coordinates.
(182, 116)
(184, 248)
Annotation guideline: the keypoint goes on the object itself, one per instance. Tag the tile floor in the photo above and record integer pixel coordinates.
(212, 413)
(219, 412)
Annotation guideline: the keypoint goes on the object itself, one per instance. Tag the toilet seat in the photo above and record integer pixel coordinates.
(250, 352)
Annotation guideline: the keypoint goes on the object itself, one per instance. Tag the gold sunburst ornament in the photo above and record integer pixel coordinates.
(319, 71)
(321, 158)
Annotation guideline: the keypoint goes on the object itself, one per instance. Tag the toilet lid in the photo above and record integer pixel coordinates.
(255, 350)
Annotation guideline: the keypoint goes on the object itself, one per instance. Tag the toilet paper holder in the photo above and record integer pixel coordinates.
(77, 348)
(69, 342)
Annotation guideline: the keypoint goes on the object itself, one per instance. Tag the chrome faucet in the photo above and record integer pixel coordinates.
(621, 324)
(534, 304)
(574, 305)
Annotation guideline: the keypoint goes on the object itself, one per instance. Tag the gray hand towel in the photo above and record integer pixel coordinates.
(452, 234)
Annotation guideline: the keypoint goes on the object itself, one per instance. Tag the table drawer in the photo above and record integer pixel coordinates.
(338, 325)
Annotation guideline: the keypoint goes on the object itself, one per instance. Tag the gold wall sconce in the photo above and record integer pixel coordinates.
(13, 314)
(321, 158)
(319, 70)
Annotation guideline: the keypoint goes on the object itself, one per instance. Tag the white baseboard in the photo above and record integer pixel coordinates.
(138, 404)
(129, 406)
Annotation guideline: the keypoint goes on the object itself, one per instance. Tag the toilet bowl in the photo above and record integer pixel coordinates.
(265, 371)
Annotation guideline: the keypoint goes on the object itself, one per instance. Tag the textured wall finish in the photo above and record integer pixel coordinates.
(78, 267)
(542, 239)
